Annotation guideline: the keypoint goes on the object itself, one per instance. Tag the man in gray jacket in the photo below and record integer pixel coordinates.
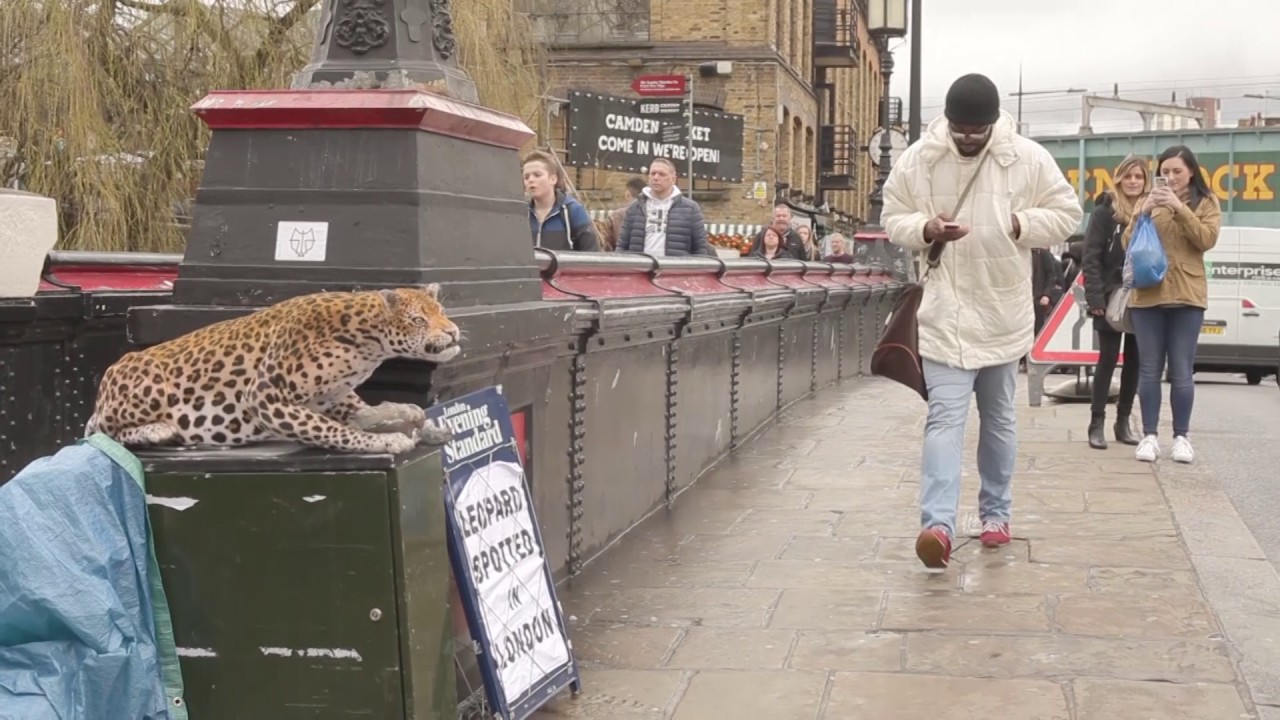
(662, 221)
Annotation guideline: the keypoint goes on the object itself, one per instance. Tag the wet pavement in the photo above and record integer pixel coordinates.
(784, 584)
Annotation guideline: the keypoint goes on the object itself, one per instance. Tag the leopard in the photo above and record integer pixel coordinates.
(285, 372)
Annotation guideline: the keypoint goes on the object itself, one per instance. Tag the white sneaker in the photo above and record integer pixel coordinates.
(1148, 449)
(1182, 451)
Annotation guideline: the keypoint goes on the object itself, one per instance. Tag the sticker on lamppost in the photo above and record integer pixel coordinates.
(302, 241)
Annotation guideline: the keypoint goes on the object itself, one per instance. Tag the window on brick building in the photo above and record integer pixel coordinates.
(798, 165)
(587, 22)
(784, 28)
(784, 148)
(811, 155)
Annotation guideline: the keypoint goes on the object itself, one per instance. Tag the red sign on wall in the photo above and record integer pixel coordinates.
(519, 429)
(659, 85)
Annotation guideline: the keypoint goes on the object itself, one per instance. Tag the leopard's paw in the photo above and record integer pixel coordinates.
(435, 433)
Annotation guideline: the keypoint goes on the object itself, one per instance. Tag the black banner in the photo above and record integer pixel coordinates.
(609, 132)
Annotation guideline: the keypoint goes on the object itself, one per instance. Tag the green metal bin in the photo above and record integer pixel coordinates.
(306, 584)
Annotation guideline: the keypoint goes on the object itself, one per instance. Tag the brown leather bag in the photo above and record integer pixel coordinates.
(897, 353)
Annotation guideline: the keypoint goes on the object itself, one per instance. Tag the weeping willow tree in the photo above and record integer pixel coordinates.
(95, 97)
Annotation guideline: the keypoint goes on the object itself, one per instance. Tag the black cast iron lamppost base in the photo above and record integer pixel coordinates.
(387, 44)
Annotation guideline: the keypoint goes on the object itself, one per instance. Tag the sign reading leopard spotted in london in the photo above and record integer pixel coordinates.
(625, 134)
(498, 558)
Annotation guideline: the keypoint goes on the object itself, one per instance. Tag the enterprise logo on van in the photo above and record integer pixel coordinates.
(1246, 272)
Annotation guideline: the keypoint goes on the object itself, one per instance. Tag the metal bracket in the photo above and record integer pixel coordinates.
(577, 432)
(782, 359)
(673, 390)
(735, 384)
(840, 323)
(813, 358)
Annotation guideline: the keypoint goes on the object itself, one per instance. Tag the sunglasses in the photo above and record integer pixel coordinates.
(973, 134)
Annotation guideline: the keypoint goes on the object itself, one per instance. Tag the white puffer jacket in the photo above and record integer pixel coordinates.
(977, 306)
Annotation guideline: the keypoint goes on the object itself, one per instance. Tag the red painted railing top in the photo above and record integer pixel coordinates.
(565, 276)
(330, 109)
(110, 271)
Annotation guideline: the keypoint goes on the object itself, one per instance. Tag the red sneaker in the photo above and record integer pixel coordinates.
(995, 534)
(933, 547)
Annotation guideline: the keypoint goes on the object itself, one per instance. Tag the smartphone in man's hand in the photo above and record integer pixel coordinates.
(944, 230)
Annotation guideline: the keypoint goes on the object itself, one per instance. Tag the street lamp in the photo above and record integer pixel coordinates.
(885, 19)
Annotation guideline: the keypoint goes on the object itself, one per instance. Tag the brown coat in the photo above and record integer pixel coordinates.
(1186, 235)
(610, 238)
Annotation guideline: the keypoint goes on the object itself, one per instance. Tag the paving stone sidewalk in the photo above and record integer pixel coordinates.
(785, 585)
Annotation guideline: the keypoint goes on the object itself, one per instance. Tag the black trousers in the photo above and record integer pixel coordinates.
(1109, 342)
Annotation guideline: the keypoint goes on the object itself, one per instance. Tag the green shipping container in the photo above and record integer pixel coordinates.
(1239, 164)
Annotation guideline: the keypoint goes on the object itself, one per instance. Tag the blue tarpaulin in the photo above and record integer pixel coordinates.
(84, 626)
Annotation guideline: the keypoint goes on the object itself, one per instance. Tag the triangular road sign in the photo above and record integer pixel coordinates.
(1067, 337)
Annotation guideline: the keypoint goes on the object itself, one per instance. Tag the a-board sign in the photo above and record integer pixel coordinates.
(499, 561)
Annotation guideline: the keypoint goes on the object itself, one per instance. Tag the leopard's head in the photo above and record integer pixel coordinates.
(418, 327)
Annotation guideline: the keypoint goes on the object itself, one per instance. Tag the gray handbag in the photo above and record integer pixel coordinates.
(1118, 304)
(1118, 310)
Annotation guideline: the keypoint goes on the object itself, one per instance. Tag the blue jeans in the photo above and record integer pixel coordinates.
(949, 391)
(1172, 332)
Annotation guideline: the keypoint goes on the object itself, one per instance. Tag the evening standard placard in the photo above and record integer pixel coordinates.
(498, 560)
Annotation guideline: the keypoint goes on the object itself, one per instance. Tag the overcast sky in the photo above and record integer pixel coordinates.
(1225, 48)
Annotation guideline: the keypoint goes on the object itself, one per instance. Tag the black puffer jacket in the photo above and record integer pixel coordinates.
(1103, 265)
(1046, 277)
(686, 228)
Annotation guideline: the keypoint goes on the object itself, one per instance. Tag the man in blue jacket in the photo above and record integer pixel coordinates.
(662, 221)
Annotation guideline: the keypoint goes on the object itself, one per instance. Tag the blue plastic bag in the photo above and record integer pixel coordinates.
(1145, 261)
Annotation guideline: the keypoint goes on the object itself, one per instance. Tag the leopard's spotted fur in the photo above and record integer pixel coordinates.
(287, 372)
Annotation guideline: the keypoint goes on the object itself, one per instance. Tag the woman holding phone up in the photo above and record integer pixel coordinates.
(1103, 268)
(1167, 317)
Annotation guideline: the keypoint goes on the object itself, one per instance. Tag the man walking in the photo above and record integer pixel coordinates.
(975, 321)
(662, 221)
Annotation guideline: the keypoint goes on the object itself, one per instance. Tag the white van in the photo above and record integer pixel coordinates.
(1241, 331)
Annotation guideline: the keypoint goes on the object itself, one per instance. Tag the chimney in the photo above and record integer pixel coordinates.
(1211, 106)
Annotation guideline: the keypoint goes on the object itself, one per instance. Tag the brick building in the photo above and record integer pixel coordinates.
(804, 77)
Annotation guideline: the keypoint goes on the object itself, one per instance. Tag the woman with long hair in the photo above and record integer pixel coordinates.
(772, 245)
(1167, 317)
(1103, 269)
(808, 248)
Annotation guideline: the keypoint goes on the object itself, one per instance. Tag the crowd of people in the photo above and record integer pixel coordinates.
(656, 219)
(985, 204)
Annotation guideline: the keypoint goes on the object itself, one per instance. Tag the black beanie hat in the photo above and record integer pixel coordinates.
(973, 100)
